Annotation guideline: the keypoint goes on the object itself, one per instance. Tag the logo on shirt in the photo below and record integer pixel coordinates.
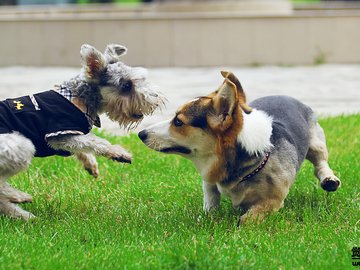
(18, 105)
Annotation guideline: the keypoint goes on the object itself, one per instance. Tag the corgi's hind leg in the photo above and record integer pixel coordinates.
(318, 155)
(257, 212)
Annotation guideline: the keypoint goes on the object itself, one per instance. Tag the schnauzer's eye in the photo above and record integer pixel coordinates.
(126, 86)
(178, 122)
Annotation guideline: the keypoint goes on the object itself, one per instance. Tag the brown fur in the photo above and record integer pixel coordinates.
(94, 66)
(224, 120)
(242, 98)
(225, 147)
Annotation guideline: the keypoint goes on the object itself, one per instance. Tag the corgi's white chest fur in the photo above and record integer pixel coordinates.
(256, 132)
(254, 137)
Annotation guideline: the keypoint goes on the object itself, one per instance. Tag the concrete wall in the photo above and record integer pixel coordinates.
(186, 39)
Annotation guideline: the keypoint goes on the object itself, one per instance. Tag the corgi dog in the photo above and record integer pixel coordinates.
(248, 152)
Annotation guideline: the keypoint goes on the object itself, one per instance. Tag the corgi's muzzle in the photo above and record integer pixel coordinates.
(176, 150)
(160, 143)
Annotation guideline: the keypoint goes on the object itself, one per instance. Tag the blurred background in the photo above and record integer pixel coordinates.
(172, 33)
(306, 49)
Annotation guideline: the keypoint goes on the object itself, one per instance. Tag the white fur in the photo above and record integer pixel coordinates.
(113, 52)
(204, 164)
(16, 153)
(139, 73)
(193, 100)
(256, 132)
(161, 129)
(211, 196)
(160, 136)
(89, 143)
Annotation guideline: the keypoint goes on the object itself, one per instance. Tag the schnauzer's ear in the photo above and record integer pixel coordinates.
(93, 62)
(113, 52)
(224, 104)
(242, 98)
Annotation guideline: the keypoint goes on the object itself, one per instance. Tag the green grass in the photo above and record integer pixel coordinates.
(148, 215)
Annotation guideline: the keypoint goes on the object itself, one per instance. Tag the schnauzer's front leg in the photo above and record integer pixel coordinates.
(90, 143)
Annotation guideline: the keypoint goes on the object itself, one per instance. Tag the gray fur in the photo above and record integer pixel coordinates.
(89, 93)
(291, 122)
(104, 85)
(296, 135)
(289, 131)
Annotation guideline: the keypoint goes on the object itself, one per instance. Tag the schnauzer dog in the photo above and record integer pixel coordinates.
(58, 121)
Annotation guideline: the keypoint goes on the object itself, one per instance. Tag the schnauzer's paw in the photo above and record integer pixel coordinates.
(330, 183)
(14, 211)
(94, 171)
(89, 162)
(13, 195)
(119, 154)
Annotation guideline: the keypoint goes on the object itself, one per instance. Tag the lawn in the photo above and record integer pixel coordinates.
(148, 215)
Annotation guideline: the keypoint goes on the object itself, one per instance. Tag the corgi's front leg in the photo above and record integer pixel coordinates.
(211, 196)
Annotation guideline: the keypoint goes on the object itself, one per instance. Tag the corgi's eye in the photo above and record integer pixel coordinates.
(178, 122)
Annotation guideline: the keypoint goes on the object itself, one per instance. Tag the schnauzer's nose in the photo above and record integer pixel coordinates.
(143, 135)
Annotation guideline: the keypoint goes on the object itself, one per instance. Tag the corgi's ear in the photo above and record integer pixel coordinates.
(113, 52)
(93, 62)
(224, 104)
(242, 98)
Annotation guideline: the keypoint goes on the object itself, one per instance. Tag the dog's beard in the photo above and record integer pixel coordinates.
(129, 109)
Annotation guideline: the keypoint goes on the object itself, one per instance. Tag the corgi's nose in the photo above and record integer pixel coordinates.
(143, 135)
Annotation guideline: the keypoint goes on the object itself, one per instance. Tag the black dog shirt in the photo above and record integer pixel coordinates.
(41, 116)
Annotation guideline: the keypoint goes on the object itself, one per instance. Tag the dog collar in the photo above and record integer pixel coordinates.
(258, 169)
